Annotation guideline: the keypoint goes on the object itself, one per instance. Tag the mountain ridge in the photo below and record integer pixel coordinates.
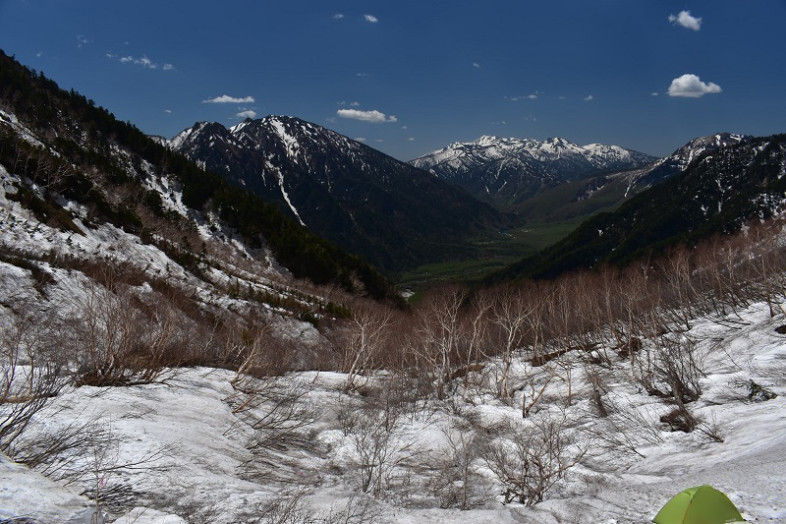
(508, 171)
(390, 212)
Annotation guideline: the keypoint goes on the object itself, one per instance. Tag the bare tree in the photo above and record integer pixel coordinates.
(368, 335)
(513, 312)
(677, 272)
(438, 335)
(534, 386)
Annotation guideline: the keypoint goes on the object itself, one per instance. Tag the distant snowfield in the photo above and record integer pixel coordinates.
(192, 440)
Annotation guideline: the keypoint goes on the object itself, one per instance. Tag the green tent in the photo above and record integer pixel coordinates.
(699, 505)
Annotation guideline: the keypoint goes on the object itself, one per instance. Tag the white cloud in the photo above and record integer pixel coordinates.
(687, 21)
(654, 93)
(411, 139)
(691, 86)
(533, 96)
(476, 65)
(338, 16)
(360, 139)
(248, 113)
(144, 61)
(226, 99)
(589, 98)
(374, 116)
(82, 40)
(371, 18)
(168, 111)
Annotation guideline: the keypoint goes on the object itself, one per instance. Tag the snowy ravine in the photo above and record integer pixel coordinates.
(191, 435)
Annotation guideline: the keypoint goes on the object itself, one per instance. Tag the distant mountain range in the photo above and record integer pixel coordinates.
(242, 181)
(508, 171)
(395, 215)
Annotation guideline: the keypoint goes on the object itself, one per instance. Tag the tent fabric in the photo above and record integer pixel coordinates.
(699, 505)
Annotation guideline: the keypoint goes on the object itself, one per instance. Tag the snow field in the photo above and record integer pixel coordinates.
(201, 448)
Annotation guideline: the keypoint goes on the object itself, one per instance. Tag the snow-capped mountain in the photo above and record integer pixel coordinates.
(388, 211)
(509, 170)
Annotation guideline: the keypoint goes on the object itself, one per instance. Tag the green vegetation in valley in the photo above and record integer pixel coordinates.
(492, 254)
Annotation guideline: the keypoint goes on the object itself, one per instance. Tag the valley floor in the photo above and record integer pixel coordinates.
(193, 448)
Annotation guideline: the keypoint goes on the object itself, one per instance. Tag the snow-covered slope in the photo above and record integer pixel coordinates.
(202, 453)
(66, 258)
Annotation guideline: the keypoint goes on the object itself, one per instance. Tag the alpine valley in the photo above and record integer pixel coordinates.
(211, 328)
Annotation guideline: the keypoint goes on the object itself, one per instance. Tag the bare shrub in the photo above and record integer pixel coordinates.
(119, 341)
(677, 368)
(454, 476)
(532, 458)
(597, 390)
(629, 428)
(29, 371)
(533, 386)
(357, 510)
(284, 509)
(712, 429)
(288, 508)
(382, 459)
(283, 448)
(94, 462)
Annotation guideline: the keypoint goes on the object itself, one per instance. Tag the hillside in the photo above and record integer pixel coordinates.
(618, 419)
(389, 212)
(75, 161)
(719, 191)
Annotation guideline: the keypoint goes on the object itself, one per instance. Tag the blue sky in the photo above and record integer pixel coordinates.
(408, 77)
